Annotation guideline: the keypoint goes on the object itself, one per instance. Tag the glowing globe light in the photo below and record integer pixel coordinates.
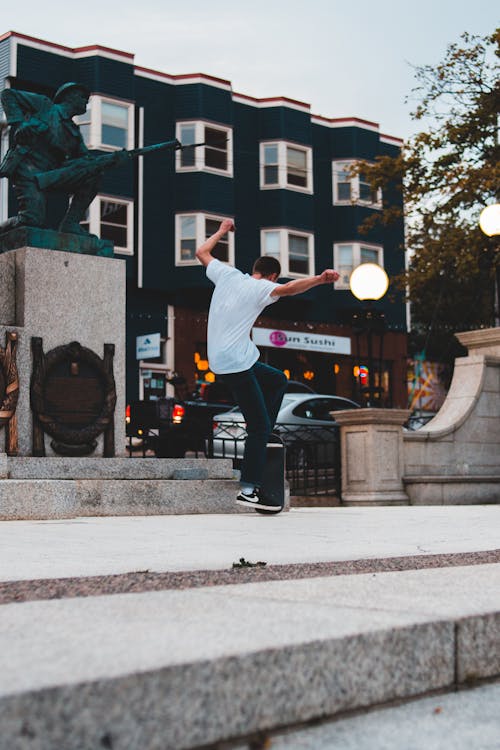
(489, 220)
(369, 281)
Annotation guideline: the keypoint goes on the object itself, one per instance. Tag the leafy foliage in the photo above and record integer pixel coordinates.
(448, 172)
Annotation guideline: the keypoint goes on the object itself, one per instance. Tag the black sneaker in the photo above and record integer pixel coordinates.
(254, 500)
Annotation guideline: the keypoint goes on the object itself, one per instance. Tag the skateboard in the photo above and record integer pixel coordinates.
(273, 483)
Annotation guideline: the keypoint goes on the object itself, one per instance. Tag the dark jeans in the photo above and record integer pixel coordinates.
(258, 392)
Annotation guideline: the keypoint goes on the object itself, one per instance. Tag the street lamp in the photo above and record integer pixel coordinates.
(489, 222)
(368, 283)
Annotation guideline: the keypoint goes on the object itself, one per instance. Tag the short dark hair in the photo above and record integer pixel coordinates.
(266, 265)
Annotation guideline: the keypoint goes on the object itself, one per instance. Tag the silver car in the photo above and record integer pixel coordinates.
(305, 423)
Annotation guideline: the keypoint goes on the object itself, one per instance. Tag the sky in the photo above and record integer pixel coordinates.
(345, 59)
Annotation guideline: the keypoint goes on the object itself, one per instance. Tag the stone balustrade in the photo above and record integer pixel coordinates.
(454, 459)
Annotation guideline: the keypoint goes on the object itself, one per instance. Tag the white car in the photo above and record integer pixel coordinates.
(305, 423)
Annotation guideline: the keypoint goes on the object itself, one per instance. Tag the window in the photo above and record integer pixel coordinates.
(284, 165)
(112, 219)
(318, 408)
(348, 190)
(293, 249)
(107, 124)
(191, 230)
(216, 153)
(348, 256)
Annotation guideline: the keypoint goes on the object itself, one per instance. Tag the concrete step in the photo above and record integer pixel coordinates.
(42, 499)
(21, 467)
(179, 670)
(56, 487)
(452, 721)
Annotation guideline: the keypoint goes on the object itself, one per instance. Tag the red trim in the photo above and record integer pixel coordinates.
(35, 39)
(201, 75)
(321, 117)
(155, 72)
(246, 96)
(354, 119)
(180, 76)
(130, 55)
(285, 99)
(400, 141)
(73, 50)
(273, 99)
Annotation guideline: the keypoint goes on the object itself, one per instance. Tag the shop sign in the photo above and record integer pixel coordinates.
(148, 346)
(315, 342)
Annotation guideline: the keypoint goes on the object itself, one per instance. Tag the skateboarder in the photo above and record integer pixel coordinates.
(258, 389)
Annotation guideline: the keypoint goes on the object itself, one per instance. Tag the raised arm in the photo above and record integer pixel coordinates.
(204, 252)
(297, 286)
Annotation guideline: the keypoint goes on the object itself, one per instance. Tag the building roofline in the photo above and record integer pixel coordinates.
(71, 51)
(187, 78)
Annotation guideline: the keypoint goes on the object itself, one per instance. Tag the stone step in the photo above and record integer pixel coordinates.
(185, 669)
(20, 467)
(41, 499)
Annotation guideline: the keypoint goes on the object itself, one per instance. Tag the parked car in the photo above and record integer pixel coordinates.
(170, 427)
(299, 413)
(157, 425)
(215, 399)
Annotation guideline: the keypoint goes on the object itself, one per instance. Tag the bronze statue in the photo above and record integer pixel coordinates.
(47, 152)
(44, 138)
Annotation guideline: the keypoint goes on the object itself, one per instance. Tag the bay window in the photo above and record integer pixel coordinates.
(285, 165)
(293, 249)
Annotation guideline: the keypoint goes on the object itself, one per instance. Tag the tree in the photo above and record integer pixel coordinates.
(448, 172)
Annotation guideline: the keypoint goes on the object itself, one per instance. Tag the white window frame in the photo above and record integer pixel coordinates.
(200, 219)
(94, 118)
(199, 152)
(94, 220)
(355, 189)
(282, 182)
(356, 257)
(284, 252)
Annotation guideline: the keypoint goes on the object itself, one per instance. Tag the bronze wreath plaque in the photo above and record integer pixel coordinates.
(73, 398)
(9, 391)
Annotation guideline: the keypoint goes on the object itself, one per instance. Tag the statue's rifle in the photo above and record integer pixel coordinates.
(79, 170)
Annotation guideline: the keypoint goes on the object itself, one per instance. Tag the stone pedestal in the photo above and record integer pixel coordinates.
(63, 297)
(372, 456)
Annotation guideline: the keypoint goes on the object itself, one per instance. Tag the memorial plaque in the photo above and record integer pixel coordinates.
(74, 395)
(73, 398)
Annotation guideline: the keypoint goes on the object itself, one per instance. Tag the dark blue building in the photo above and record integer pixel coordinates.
(280, 172)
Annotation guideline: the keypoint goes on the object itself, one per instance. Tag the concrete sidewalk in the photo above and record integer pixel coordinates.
(235, 664)
(103, 546)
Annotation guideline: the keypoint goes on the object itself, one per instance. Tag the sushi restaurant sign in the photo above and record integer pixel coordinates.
(315, 342)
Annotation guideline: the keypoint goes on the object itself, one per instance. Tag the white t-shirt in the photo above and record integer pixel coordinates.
(237, 301)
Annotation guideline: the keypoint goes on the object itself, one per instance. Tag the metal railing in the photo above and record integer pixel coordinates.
(312, 454)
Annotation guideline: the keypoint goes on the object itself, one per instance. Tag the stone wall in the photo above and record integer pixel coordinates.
(456, 457)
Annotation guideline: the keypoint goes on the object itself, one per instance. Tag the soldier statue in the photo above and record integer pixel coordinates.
(47, 152)
(45, 138)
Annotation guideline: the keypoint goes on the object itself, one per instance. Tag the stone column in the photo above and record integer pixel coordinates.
(372, 456)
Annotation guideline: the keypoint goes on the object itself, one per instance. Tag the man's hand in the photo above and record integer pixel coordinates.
(204, 252)
(328, 276)
(226, 226)
(298, 286)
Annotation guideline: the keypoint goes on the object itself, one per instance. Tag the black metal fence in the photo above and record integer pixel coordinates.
(312, 454)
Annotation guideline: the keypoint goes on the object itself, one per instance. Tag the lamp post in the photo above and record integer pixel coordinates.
(368, 283)
(489, 222)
